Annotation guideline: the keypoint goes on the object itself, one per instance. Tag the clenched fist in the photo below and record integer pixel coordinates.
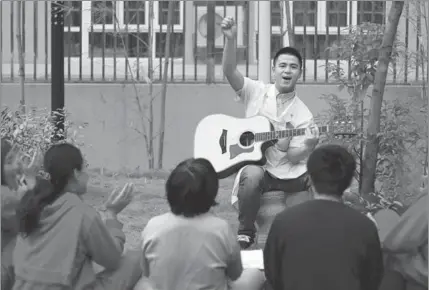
(229, 28)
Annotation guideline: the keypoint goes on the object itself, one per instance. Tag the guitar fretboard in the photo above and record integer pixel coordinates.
(273, 135)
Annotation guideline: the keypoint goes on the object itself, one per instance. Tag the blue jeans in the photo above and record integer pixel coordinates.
(255, 181)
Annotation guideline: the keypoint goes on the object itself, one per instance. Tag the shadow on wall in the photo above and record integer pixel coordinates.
(112, 139)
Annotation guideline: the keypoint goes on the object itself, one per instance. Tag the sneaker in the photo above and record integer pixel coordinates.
(245, 241)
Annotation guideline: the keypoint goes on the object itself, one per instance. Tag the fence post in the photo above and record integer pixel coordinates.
(264, 42)
(210, 73)
(57, 68)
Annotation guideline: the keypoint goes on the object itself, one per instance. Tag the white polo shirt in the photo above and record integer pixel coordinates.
(261, 99)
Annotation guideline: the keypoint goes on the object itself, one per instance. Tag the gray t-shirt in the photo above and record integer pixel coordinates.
(190, 253)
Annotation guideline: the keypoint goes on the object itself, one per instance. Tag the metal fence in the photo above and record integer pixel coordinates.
(102, 37)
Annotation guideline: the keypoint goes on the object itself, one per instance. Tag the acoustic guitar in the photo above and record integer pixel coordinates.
(230, 143)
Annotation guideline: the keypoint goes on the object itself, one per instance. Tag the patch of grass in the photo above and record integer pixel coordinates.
(149, 199)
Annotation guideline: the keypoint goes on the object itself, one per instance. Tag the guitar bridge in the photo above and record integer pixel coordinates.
(222, 141)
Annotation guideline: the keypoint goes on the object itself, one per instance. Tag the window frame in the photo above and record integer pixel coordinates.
(383, 13)
(74, 29)
(352, 15)
(88, 27)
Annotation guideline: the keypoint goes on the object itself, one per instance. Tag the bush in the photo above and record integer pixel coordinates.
(401, 147)
(33, 130)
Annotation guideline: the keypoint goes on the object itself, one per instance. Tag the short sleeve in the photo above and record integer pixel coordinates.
(145, 241)
(251, 90)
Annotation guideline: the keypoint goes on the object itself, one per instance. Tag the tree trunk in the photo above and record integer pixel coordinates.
(170, 16)
(20, 53)
(151, 157)
(290, 32)
(372, 146)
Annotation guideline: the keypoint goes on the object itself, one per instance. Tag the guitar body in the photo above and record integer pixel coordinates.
(229, 142)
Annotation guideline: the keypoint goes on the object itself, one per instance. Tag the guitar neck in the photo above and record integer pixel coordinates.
(274, 135)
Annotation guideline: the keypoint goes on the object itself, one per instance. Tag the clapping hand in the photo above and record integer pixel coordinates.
(120, 198)
(19, 176)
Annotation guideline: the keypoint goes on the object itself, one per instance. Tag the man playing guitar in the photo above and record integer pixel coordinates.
(285, 167)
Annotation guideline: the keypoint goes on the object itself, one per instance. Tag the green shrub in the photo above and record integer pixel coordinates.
(34, 130)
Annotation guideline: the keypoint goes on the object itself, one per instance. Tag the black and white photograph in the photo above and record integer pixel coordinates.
(214, 145)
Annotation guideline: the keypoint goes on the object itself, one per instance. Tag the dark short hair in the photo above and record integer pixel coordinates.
(288, 50)
(331, 169)
(192, 187)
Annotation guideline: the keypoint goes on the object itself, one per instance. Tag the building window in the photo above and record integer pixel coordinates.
(102, 12)
(135, 12)
(177, 44)
(314, 46)
(336, 13)
(121, 28)
(371, 11)
(321, 20)
(72, 28)
(109, 44)
(163, 12)
(304, 13)
(72, 13)
(276, 13)
(276, 44)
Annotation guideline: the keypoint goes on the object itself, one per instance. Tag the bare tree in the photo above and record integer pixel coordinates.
(170, 18)
(150, 151)
(20, 52)
(286, 16)
(144, 104)
(289, 28)
(372, 146)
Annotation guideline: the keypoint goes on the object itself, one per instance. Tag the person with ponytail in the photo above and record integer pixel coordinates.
(60, 236)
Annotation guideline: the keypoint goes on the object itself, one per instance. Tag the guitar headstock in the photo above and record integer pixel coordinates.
(343, 129)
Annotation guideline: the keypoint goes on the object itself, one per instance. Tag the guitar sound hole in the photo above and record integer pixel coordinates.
(247, 139)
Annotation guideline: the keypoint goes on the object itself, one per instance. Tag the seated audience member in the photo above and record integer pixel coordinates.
(13, 186)
(406, 246)
(9, 225)
(189, 247)
(60, 236)
(323, 243)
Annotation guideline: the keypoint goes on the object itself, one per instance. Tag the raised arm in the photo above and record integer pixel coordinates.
(229, 60)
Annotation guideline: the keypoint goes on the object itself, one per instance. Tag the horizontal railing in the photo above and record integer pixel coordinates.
(114, 41)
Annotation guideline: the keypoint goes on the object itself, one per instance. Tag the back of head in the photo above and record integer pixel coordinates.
(192, 187)
(60, 162)
(5, 149)
(331, 169)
